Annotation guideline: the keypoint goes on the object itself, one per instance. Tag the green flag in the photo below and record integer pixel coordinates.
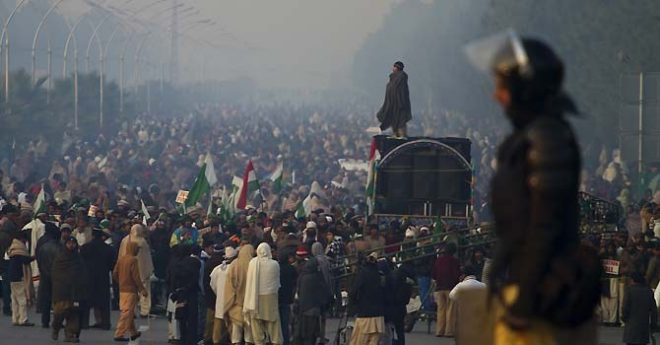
(203, 183)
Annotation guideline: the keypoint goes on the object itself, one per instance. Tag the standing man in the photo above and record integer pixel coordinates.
(138, 235)
(549, 285)
(261, 294)
(367, 295)
(69, 285)
(127, 273)
(313, 296)
(218, 281)
(398, 296)
(235, 295)
(99, 260)
(396, 111)
(9, 228)
(287, 292)
(47, 249)
(639, 312)
(186, 288)
(446, 273)
(20, 278)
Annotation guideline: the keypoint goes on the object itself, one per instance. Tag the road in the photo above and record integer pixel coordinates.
(157, 334)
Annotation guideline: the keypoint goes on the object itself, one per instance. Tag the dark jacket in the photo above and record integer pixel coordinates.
(367, 295)
(186, 275)
(396, 110)
(8, 231)
(639, 313)
(534, 205)
(424, 264)
(99, 259)
(160, 247)
(288, 278)
(69, 277)
(15, 270)
(313, 292)
(47, 250)
(398, 293)
(446, 272)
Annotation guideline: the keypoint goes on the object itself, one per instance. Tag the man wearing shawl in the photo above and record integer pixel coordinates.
(20, 278)
(218, 282)
(260, 307)
(395, 111)
(138, 235)
(324, 268)
(69, 288)
(234, 295)
(313, 296)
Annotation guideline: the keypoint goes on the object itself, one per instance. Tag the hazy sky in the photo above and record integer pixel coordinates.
(296, 42)
(292, 43)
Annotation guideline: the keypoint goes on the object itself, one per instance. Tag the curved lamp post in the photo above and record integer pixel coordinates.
(95, 36)
(75, 67)
(36, 37)
(5, 38)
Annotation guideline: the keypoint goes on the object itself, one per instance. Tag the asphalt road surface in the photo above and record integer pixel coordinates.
(157, 334)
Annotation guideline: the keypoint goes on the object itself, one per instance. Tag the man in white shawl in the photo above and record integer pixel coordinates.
(38, 226)
(260, 307)
(218, 280)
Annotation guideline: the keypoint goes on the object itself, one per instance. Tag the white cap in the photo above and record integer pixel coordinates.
(230, 252)
(410, 233)
(310, 225)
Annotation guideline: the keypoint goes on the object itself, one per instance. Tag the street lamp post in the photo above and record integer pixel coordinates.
(50, 72)
(92, 37)
(75, 67)
(4, 37)
(36, 37)
(137, 71)
(102, 59)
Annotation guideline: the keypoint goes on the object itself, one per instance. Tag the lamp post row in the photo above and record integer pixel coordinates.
(103, 52)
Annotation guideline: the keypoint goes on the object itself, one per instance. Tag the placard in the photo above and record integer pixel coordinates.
(611, 266)
(182, 196)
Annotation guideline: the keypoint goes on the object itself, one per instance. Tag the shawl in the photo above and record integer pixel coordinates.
(18, 248)
(256, 272)
(38, 230)
(145, 262)
(234, 293)
(395, 111)
(218, 280)
(323, 263)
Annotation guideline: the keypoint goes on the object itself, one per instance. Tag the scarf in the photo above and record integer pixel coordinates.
(236, 278)
(251, 302)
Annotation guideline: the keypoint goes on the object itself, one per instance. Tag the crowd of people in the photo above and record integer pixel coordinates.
(211, 282)
(110, 235)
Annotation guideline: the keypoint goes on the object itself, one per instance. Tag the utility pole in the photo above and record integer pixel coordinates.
(174, 44)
